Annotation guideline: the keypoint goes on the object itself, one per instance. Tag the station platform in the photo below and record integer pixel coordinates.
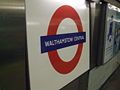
(113, 83)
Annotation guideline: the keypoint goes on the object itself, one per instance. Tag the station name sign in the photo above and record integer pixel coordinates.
(54, 42)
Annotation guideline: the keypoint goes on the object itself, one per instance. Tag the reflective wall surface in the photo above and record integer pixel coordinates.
(12, 45)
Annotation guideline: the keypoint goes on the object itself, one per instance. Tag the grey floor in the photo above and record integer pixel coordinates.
(113, 83)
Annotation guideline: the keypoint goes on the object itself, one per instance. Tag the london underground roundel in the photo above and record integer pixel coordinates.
(52, 27)
(60, 14)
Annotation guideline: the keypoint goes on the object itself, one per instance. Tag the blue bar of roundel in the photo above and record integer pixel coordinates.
(46, 46)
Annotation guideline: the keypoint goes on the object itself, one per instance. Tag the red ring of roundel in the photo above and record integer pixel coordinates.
(60, 14)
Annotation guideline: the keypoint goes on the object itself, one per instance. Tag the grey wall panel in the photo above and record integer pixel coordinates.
(12, 45)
